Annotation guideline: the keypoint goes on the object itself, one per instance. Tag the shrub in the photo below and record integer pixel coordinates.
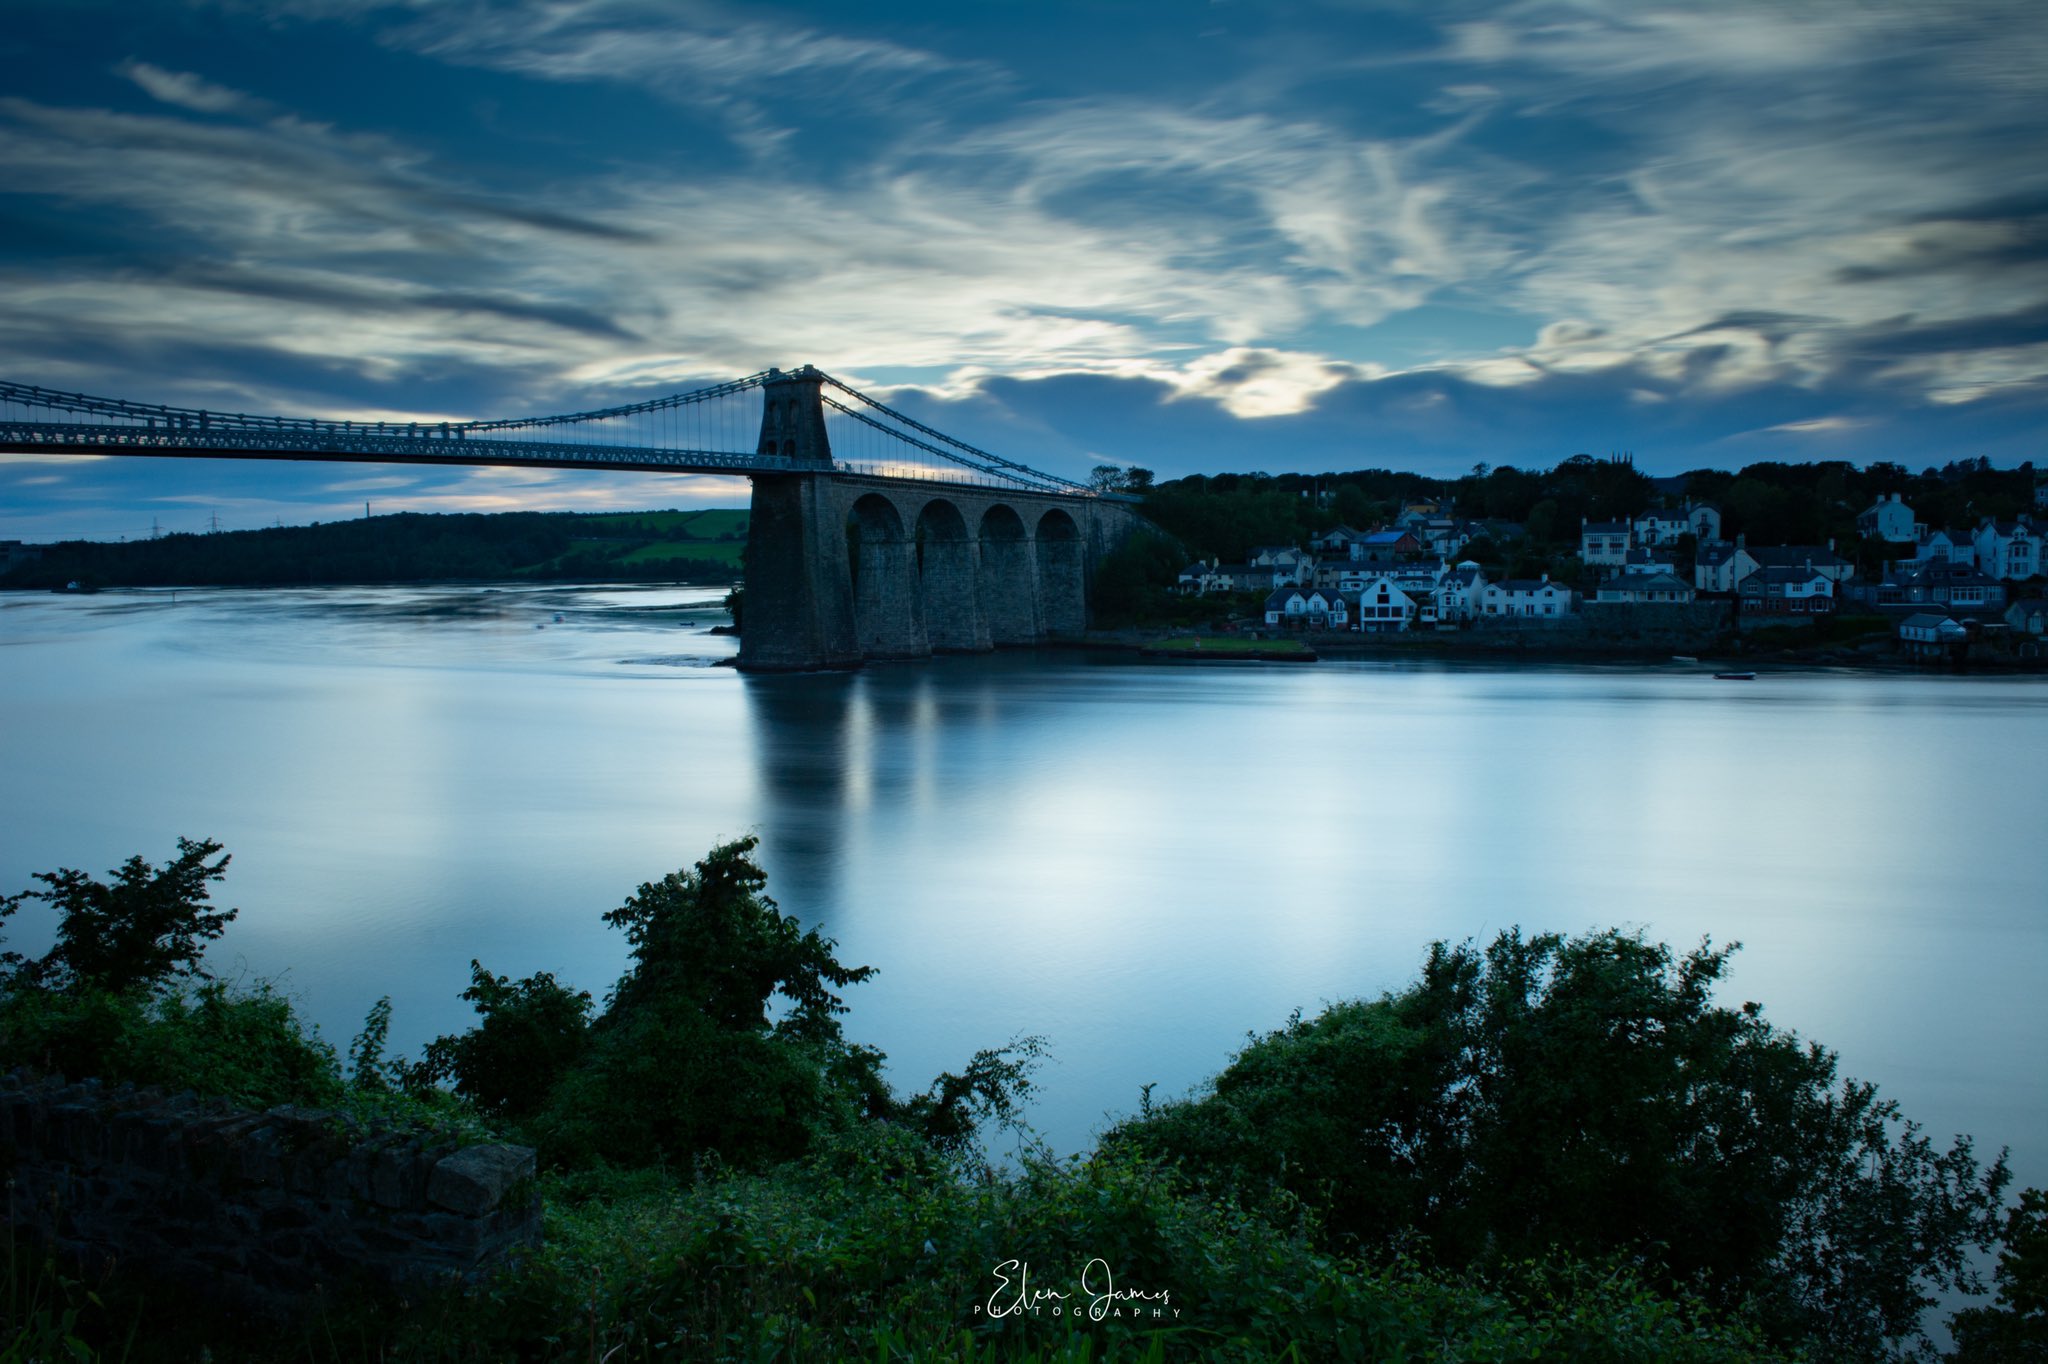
(1587, 1097)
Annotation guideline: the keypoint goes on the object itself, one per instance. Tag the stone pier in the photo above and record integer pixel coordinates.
(843, 568)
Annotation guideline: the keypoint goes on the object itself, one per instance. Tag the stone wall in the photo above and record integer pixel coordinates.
(258, 1207)
(1595, 627)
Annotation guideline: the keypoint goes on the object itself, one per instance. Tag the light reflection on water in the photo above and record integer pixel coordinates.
(1139, 862)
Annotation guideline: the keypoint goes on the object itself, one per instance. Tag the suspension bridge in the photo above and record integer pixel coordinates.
(871, 536)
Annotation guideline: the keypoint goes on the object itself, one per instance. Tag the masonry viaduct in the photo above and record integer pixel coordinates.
(843, 568)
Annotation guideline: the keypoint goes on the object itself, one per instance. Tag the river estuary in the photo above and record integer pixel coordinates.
(1139, 862)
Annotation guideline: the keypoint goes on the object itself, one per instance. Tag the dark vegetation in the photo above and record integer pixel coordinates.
(410, 547)
(1555, 1148)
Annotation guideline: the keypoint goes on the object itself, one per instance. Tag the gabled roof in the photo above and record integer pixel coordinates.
(1795, 556)
(1527, 585)
(1937, 573)
(1927, 620)
(1387, 537)
(1606, 528)
(1782, 574)
(1645, 582)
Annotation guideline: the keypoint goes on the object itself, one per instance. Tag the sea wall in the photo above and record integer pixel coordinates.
(1595, 628)
(258, 1207)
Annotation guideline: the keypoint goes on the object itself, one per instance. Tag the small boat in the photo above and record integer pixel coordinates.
(1736, 677)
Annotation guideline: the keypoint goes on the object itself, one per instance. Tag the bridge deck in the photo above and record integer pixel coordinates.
(453, 449)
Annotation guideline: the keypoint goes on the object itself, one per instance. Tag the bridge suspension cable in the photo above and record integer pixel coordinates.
(673, 437)
(1005, 475)
(1018, 469)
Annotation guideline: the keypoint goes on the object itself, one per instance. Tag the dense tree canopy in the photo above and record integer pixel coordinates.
(1587, 1096)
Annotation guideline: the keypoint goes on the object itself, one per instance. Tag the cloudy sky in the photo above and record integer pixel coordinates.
(1254, 234)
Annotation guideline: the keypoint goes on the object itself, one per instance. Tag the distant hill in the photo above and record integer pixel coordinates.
(658, 546)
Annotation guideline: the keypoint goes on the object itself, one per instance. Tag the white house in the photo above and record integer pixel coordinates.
(1527, 597)
(1659, 527)
(1287, 605)
(1308, 608)
(1930, 628)
(1890, 519)
(1200, 577)
(1603, 542)
(2028, 616)
(1781, 590)
(1343, 575)
(1705, 520)
(1338, 541)
(1721, 568)
(2011, 550)
(1644, 589)
(1461, 593)
(1937, 582)
(1947, 547)
(1417, 578)
(1385, 606)
(1295, 561)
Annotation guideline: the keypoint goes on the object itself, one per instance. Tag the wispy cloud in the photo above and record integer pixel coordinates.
(187, 91)
(1735, 206)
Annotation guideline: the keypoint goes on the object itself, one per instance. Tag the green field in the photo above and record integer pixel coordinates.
(707, 551)
(709, 524)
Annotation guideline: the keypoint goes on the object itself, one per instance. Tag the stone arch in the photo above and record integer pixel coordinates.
(1062, 576)
(887, 618)
(1008, 578)
(949, 575)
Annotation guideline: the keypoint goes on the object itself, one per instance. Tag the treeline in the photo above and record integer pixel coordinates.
(1556, 1148)
(406, 547)
(1224, 515)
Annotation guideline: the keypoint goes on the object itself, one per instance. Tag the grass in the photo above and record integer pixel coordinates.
(717, 551)
(1231, 643)
(708, 524)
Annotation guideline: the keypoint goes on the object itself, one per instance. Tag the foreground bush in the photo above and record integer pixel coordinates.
(1587, 1097)
(122, 993)
(1552, 1149)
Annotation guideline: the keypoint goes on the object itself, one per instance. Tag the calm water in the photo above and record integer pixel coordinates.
(1140, 863)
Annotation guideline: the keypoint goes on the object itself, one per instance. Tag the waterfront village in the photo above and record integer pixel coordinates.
(1944, 592)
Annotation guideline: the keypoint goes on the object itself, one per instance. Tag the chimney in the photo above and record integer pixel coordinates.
(1742, 540)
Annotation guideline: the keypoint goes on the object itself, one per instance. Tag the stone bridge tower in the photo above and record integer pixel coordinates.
(793, 417)
(845, 567)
